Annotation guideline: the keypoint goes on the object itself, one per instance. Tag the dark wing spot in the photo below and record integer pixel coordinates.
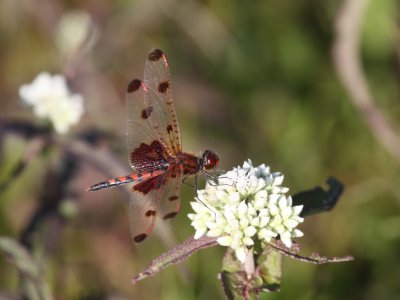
(139, 238)
(173, 198)
(147, 112)
(155, 54)
(150, 213)
(134, 85)
(163, 86)
(150, 184)
(169, 128)
(170, 215)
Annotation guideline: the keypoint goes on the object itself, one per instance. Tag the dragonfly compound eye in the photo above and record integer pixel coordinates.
(210, 160)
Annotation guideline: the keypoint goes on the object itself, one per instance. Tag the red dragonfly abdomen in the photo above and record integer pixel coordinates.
(134, 177)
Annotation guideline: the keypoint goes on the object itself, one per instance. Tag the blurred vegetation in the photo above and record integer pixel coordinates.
(251, 79)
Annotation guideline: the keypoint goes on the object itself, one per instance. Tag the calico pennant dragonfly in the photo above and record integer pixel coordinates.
(155, 150)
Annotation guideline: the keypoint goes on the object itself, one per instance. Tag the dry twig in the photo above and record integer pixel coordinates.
(347, 60)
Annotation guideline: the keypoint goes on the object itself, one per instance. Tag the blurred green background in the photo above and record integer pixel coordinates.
(251, 79)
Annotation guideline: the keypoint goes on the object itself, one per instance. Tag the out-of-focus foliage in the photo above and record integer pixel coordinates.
(251, 79)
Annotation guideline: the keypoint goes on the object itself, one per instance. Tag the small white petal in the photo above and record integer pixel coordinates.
(297, 233)
(289, 201)
(273, 199)
(251, 210)
(210, 224)
(282, 203)
(215, 232)
(290, 223)
(255, 222)
(276, 221)
(261, 183)
(244, 222)
(273, 210)
(259, 203)
(199, 233)
(197, 222)
(221, 195)
(197, 207)
(280, 229)
(278, 178)
(238, 235)
(264, 221)
(298, 219)
(286, 212)
(236, 244)
(225, 240)
(266, 234)
(250, 231)
(229, 214)
(234, 197)
(242, 208)
(234, 224)
(263, 194)
(297, 209)
(247, 164)
(286, 239)
(248, 241)
(241, 254)
(201, 197)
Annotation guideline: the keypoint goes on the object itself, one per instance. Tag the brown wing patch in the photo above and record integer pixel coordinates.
(170, 215)
(150, 213)
(147, 112)
(153, 183)
(155, 54)
(140, 237)
(163, 86)
(147, 157)
(134, 85)
(169, 128)
(173, 198)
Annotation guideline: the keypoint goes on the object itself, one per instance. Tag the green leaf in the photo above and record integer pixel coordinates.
(239, 282)
(270, 269)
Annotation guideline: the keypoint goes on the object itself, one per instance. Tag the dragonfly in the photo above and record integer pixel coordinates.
(155, 150)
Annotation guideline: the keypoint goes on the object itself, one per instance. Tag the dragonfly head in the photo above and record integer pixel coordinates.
(209, 160)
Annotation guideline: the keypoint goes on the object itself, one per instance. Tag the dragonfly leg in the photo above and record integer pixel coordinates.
(189, 184)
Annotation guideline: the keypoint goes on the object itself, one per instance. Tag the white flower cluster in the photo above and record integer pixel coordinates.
(245, 205)
(51, 99)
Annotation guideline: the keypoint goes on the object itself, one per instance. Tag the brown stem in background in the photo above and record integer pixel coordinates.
(347, 60)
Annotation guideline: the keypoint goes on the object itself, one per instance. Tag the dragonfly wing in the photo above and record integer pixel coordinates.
(150, 109)
(170, 204)
(144, 206)
(153, 140)
(158, 97)
(140, 134)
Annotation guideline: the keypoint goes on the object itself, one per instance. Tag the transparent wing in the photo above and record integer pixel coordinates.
(138, 128)
(158, 97)
(144, 205)
(171, 202)
(150, 109)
